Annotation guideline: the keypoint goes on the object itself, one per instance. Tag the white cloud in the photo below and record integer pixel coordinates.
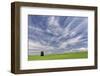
(54, 26)
(78, 27)
(37, 45)
(34, 28)
(34, 45)
(63, 36)
(70, 24)
(83, 49)
(66, 31)
(72, 41)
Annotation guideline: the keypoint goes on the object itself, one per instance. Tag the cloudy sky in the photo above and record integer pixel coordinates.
(57, 33)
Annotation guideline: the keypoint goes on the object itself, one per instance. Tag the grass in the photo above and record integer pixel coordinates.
(72, 55)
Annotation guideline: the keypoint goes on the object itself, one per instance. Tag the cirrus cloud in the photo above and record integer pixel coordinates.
(57, 33)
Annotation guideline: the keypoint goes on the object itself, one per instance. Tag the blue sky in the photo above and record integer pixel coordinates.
(57, 33)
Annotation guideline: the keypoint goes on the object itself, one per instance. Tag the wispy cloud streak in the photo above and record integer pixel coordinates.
(57, 33)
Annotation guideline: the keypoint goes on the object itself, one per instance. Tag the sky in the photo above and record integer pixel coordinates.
(57, 34)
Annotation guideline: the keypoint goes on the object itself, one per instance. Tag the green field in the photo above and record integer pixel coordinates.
(71, 55)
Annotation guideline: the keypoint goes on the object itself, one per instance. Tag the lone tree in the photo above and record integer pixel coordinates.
(42, 53)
